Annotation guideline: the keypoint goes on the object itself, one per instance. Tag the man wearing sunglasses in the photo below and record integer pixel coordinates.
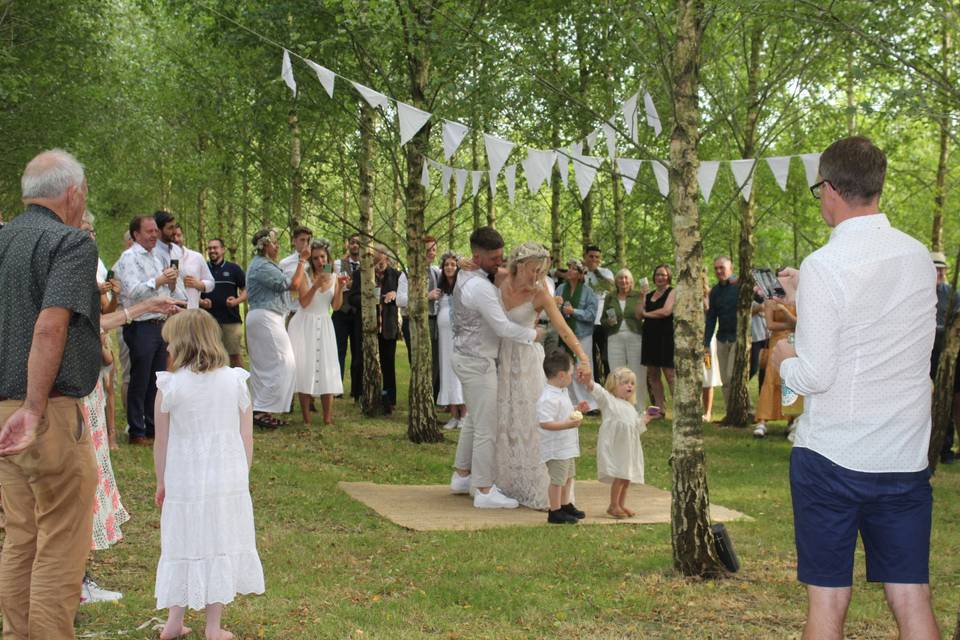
(865, 327)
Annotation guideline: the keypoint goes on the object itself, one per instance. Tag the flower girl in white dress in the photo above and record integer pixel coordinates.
(202, 453)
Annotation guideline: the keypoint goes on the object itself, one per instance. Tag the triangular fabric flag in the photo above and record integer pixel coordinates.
(475, 177)
(610, 135)
(563, 164)
(411, 121)
(780, 166)
(537, 168)
(461, 176)
(447, 173)
(706, 176)
(497, 153)
(453, 134)
(653, 119)
(374, 98)
(286, 72)
(743, 174)
(510, 175)
(811, 162)
(425, 175)
(576, 149)
(492, 179)
(629, 168)
(630, 116)
(592, 138)
(585, 172)
(324, 75)
(662, 175)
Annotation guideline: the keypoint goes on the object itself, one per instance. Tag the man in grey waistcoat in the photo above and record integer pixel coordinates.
(478, 324)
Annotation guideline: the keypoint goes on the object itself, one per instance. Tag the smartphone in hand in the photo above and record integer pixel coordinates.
(174, 264)
(766, 279)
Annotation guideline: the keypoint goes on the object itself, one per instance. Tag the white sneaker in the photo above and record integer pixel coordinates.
(91, 592)
(459, 484)
(760, 431)
(493, 499)
(452, 423)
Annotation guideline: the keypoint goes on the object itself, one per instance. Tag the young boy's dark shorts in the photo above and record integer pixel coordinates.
(891, 512)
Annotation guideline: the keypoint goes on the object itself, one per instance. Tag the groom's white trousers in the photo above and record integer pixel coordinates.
(478, 430)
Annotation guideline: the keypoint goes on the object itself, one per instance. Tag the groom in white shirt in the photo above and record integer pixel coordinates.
(478, 324)
(865, 326)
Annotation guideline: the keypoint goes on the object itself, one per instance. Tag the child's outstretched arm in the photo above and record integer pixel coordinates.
(161, 423)
(246, 433)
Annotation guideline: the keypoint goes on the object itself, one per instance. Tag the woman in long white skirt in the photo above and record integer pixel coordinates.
(451, 391)
(312, 336)
(272, 364)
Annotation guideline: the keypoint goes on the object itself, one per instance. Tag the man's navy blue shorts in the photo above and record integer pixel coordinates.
(891, 511)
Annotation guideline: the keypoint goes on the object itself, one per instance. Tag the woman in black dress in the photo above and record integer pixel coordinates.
(657, 349)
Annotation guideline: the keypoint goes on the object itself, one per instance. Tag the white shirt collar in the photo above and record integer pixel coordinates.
(139, 248)
(555, 390)
(858, 223)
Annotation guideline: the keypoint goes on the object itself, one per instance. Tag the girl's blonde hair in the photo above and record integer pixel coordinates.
(618, 375)
(194, 342)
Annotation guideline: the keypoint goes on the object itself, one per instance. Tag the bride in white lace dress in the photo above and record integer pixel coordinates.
(524, 293)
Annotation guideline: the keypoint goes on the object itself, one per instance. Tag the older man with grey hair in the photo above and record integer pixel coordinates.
(50, 341)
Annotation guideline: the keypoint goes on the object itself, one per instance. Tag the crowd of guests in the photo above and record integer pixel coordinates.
(520, 346)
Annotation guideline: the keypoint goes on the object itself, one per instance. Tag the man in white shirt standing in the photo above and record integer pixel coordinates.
(196, 274)
(478, 324)
(600, 280)
(865, 326)
(166, 249)
(302, 237)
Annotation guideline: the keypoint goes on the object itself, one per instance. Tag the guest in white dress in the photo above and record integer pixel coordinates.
(202, 453)
(312, 335)
(451, 391)
(619, 453)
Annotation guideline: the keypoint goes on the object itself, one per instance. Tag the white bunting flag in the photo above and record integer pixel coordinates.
(411, 121)
(743, 174)
(510, 175)
(576, 149)
(461, 176)
(475, 177)
(425, 175)
(497, 153)
(447, 173)
(629, 168)
(706, 176)
(492, 179)
(811, 162)
(324, 75)
(585, 172)
(563, 164)
(630, 116)
(662, 175)
(286, 72)
(453, 134)
(374, 98)
(610, 135)
(537, 168)
(780, 166)
(653, 119)
(592, 139)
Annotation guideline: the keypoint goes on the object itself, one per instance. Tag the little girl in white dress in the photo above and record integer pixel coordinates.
(619, 453)
(203, 451)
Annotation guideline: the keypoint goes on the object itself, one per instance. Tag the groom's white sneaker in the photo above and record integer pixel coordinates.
(459, 484)
(493, 499)
(452, 423)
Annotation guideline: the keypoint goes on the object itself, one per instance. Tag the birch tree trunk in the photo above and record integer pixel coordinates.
(296, 190)
(738, 411)
(693, 549)
(940, 191)
(422, 422)
(943, 383)
(370, 398)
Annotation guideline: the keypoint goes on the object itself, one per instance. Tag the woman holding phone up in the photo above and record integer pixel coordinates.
(312, 335)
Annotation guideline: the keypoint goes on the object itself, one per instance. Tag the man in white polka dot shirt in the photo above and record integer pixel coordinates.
(865, 327)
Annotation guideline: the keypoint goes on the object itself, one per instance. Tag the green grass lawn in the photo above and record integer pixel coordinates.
(335, 569)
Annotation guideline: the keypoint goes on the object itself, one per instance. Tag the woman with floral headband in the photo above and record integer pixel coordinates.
(524, 293)
(273, 367)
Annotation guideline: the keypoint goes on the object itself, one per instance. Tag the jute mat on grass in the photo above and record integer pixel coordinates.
(433, 508)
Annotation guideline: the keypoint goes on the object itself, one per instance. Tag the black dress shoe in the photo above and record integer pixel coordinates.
(573, 511)
(560, 517)
(595, 412)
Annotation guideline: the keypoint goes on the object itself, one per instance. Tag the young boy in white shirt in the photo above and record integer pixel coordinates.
(559, 438)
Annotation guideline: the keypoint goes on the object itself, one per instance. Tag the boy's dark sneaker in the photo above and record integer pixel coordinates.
(573, 511)
(560, 517)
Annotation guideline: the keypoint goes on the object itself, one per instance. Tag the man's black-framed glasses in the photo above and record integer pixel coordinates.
(815, 189)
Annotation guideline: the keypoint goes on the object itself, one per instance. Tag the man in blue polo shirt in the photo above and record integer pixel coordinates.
(223, 302)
